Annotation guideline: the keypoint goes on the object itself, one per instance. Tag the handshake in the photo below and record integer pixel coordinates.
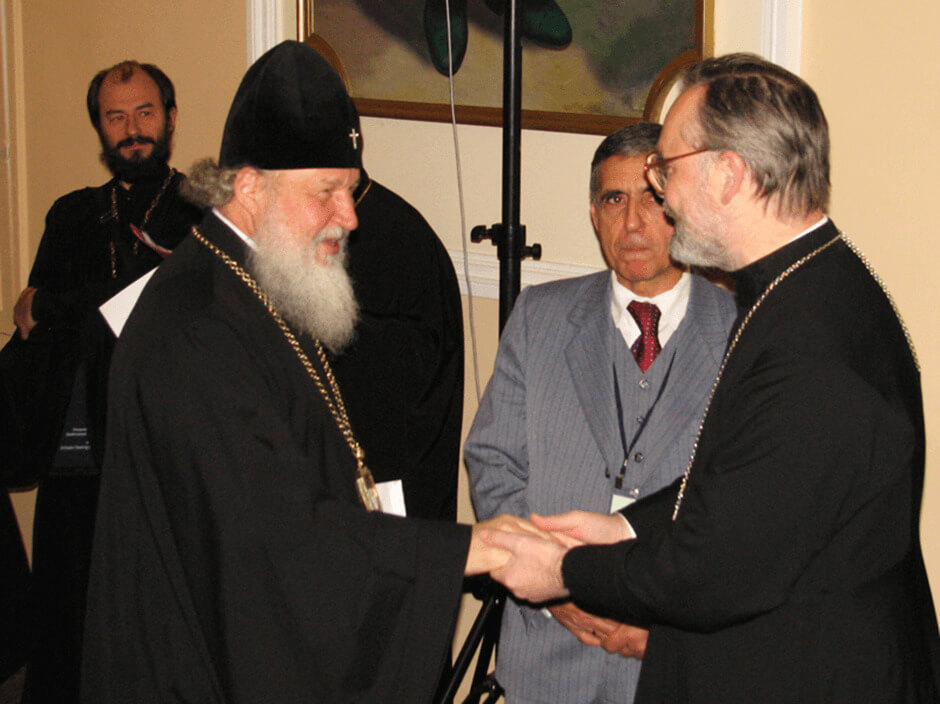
(526, 555)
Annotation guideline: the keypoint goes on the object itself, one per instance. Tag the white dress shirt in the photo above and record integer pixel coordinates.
(672, 305)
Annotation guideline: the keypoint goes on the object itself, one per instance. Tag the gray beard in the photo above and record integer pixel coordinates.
(317, 299)
(695, 249)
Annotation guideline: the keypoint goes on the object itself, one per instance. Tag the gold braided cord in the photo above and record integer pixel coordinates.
(365, 485)
(897, 313)
(143, 223)
(737, 336)
(363, 194)
(724, 362)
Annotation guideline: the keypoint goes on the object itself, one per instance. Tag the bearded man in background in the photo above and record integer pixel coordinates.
(53, 375)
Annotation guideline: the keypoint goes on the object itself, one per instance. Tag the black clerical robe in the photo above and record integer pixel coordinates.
(232, 560)
(793, 572)
(15, 597)
(403, 375)
(87, 254)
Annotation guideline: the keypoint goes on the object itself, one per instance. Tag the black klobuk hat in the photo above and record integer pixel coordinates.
(291, 111)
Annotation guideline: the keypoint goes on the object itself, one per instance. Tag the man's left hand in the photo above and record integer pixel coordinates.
(587, 628)
(626, 640)
(614, 637)
(584, 527)
(485, 557)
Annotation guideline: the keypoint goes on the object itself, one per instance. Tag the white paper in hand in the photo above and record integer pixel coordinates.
(117, 308)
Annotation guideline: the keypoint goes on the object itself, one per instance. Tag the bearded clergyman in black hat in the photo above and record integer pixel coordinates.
(241, 554)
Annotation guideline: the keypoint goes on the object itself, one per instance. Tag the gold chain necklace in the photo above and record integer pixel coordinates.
(363, 194)
(365, 484)
(143, 223)
(737, 336)
(864, 259)
(724, 362)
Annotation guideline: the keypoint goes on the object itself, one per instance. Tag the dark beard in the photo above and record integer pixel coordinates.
(137, 169)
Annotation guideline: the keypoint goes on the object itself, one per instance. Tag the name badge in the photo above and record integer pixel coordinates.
(392, 497)
(619, 501)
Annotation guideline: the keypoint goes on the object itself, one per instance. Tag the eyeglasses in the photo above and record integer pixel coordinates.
(655, 168)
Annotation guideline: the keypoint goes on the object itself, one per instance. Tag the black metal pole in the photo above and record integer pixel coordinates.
(509, 235)
(509, 238)
(510, 247)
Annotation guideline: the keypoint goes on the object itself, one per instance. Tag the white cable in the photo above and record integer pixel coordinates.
(460, 200)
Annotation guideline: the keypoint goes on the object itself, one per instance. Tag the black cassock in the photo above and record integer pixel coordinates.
(793, 572)
(232, 559)
(15, 603)
(402, 377)
(87, 254)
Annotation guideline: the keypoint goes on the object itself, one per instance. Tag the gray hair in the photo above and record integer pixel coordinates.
(208, 184)
(636, 139)
(773, 120)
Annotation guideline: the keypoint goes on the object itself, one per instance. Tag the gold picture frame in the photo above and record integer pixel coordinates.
(379, 42)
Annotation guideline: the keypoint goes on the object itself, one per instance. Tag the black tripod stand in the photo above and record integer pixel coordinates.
(509, 239)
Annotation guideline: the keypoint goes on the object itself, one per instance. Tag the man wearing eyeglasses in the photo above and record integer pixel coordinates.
(786, 565)
(599, 386)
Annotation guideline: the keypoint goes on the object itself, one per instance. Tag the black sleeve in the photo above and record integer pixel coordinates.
(807, 454)
(70, 271)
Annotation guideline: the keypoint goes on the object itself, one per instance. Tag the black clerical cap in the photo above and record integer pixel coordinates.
(291, 111)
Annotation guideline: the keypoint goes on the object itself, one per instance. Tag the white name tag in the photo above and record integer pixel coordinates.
(392, 497)
(617, 502)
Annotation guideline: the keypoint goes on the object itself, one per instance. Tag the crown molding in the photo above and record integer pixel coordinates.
(483, 272)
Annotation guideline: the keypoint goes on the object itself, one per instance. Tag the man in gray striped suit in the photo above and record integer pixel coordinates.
(596, 397)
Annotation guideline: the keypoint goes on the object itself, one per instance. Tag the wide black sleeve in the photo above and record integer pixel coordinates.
(70, 271)
(806, 462)
(261, 552)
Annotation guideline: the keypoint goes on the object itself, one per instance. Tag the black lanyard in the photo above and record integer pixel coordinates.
(628, 448)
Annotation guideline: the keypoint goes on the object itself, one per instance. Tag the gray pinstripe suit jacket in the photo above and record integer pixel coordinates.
(546, 439)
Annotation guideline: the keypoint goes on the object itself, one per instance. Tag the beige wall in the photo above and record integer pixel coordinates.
(874, 66)
(872, 62)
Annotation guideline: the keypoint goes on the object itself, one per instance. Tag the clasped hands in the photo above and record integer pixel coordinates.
(526, 556)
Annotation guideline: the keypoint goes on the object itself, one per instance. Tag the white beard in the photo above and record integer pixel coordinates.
(317, 298)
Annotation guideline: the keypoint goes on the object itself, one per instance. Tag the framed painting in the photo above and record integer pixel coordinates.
(588, 66)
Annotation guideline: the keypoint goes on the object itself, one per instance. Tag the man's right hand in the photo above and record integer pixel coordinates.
(23, 312)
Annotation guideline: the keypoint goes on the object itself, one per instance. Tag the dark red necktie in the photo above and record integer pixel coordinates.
(647, 345)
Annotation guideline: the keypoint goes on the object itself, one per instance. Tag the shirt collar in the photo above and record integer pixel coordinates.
(234, 228)
(672, 305)
(822, 221)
